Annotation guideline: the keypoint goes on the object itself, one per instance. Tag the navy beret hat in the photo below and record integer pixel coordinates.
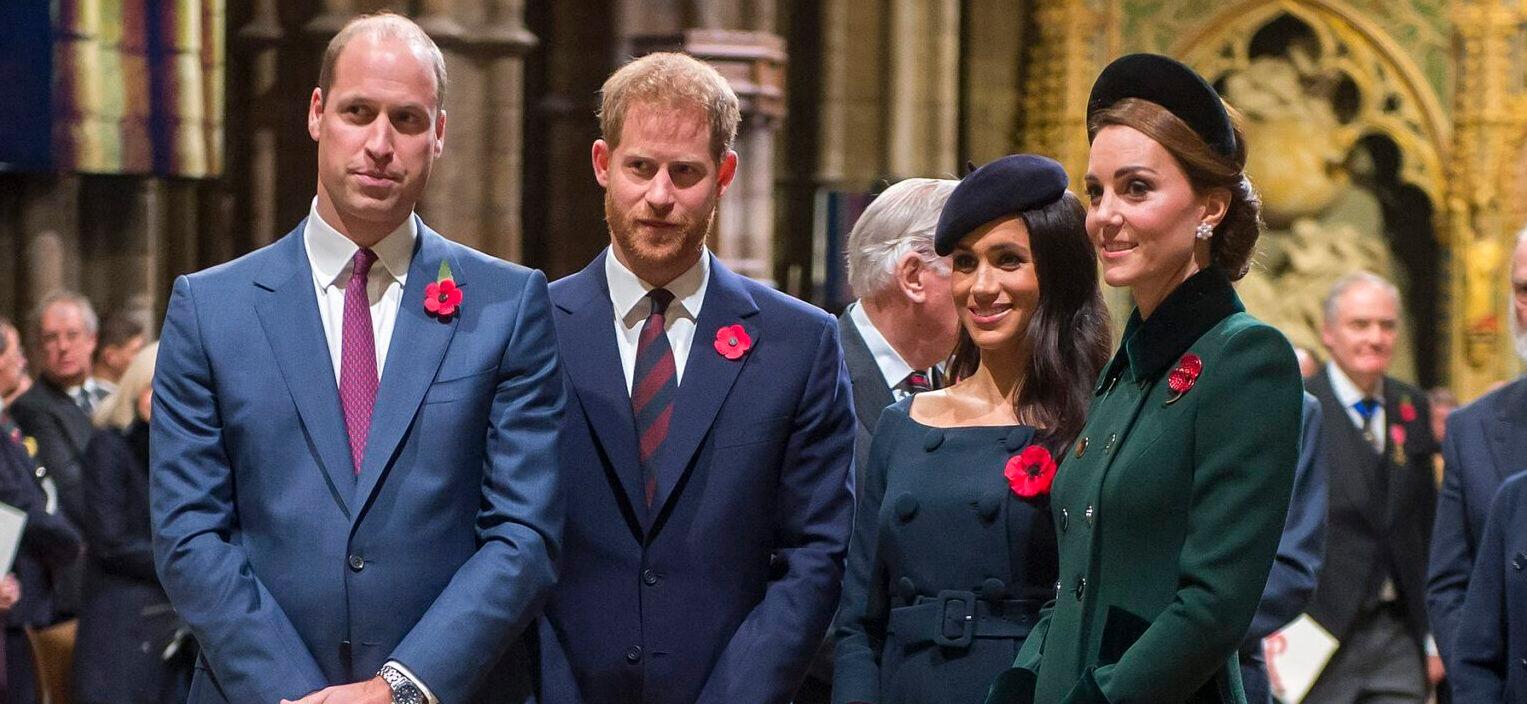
(1007, 186)
(1168, 83)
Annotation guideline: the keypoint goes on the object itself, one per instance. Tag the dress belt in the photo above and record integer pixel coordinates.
(954, 619)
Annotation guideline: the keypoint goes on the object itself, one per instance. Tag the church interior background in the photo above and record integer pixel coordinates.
(142, 139)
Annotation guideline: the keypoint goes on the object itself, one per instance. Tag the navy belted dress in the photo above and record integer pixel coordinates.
(947, 568)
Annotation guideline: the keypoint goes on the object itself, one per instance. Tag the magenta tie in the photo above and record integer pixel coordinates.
(357, 365)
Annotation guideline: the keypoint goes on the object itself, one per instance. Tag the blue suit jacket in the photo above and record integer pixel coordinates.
(1300, 553)
(1487, 663)
(1486, 442)
(722, 591)
(294, 572)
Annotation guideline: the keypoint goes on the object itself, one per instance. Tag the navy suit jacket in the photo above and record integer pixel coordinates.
(295, 573)
(1486, 666)
(1486, 442)
(49, 544)
(1300, 553)
(724, 588)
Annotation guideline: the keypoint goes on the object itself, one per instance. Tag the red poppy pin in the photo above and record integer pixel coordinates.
(1031, 472)
(1407, 411)
(732, 341)
(1184, 376)
(443, 296)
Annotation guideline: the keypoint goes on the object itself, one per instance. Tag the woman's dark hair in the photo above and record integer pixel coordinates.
(1068, 333)
(1235, 238)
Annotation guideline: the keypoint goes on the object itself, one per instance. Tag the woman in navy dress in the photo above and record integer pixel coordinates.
(953, 552)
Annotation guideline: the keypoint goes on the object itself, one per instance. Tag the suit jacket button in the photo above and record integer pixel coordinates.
(357, 563)
(634, 654)
(649, 577)
(1065, 520)
(1518, 562)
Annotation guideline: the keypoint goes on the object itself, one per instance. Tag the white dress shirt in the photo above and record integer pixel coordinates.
(628, 293)
(892, 366)
(329, 254)
(1348, 394)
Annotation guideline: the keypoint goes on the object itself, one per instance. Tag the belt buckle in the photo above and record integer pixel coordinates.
(957, 609)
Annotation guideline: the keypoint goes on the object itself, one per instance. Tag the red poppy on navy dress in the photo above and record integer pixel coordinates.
(732, 341)
(1184, 376)
(442, 297)
(1031, 472)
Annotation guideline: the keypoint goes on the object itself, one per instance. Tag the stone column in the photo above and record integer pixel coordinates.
(923, 87)
(260, 41)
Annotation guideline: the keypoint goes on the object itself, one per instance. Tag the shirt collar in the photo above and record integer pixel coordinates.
(330, 252)
(628, 292)
(892, 366)
(1346, 391)
(1189, 311)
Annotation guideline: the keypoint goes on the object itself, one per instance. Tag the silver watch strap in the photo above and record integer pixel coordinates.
(404, 691)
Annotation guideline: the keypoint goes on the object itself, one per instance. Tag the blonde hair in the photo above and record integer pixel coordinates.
(384, 25)
(671, 80)
(120, 409)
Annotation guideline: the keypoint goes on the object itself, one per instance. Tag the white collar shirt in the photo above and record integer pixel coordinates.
(892, 367)
(1348, 395)
(628, 294)
(330, 253)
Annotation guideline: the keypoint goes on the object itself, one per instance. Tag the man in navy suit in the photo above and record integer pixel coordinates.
(1300, 553)
(354, 434)
(1491, 640)
(710, 431)
(1485, 443)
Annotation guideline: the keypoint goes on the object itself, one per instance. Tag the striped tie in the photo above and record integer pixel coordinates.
(654, 383)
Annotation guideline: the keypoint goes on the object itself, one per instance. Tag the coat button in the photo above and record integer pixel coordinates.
(1057, 589)
(907, 588)
(989, 504)
(1081, 588)
(1519, 562)
(993, 589)
(933, 439)
(634, 654)
(357, 563)
(1108, 446)
(906, 507)
(1090, 514)
(1081, 448)
(1065, 520)
(649, 577)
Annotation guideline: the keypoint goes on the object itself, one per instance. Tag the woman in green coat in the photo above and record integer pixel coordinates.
(1170, 503)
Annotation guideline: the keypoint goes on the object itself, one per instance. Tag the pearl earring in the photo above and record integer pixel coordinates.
(1204, 231)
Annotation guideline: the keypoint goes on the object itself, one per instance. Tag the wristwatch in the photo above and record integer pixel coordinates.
(404, 691)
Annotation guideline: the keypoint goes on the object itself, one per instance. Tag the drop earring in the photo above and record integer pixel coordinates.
(1204, 231)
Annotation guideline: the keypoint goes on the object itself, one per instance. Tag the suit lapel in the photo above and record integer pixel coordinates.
(708, 378)
(1508, 434)
(871, 395)
(1353, 460)
(413, 358)
(592, 360)
(289, 316)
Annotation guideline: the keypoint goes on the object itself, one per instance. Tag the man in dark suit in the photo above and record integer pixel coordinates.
(1378, 446)
(1485, 443)
(1486, 657)
(902, 325)
(710, 442)
(353, 458)
(57, 409)
(1301, 551)
(48, 545)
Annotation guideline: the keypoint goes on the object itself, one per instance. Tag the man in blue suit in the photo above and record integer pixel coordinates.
(1486, 663)
(1486, 442)
(710, 431)
(354, 437)
(1300, 553)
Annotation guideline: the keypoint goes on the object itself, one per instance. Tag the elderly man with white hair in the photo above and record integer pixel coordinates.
(1485, 443)
(900, 328)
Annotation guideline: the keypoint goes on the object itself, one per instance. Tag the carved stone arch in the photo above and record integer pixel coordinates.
(1396, 99)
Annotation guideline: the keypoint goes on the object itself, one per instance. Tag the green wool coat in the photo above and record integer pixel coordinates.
(1168, 509)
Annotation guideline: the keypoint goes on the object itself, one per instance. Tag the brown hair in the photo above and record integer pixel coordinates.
(384, 25)
(1068, 335)
(670, 79)
(1235, 237)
